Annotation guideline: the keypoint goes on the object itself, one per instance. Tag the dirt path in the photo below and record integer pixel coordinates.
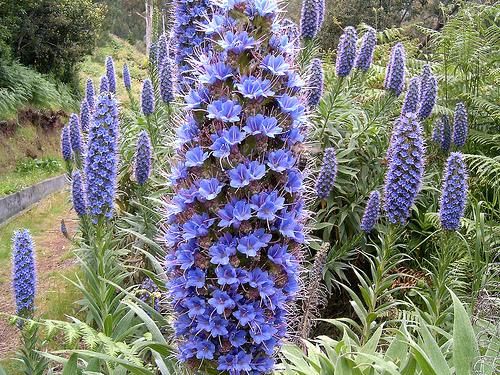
(52, 257)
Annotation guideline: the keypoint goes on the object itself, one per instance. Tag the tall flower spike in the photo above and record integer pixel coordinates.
(127, 82)
(147, 98)
(143, 158)
(162, 50)
(364, 56)
(76, 134)
(441, 133)
(405, 170)
(66, 143)
(395, 73)
(110, 73)
(166, 81)
(327, 175)
(316, 82)
(309, 19)
(189, 18)
(460, 125)
(84, 116)
(234, 223)
(103, 85)
(424, 80)
(372, 212)
(428, 98)
(90, 94)
(101, 160)
(78, 194)
(23, 273)
(346, 52)
(321, 13)
(454, 192)
(410, 103)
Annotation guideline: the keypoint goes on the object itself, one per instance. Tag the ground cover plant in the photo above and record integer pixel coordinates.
(260, 205)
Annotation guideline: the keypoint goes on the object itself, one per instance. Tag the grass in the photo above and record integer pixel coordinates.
(15, 181)
(122, 52)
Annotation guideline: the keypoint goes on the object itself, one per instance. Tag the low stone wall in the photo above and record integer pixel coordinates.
(15, 203)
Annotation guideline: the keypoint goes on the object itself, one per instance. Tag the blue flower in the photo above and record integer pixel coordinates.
(210, 188)
(226, 275)
(240, 176)
(411, 101)
(441, 133)
(90, 94)
(309, 19)
(233, 135)
(245, 314)
(364, 56)
(195, 157)
(196, 306)
(221, 301)
(315, 82)
(196, 97)
(166, 81)
(460, 125)
(454, 192)
(428, 98)
(195, 278)
(275, 64)
(103, 85)
(395, 73)
(346, 51)
(251, 244)
(220, 254)
(127, 81)
(256, 170)
(280, 160)
(76, 134)
(205, 349)
(267, 205)
(224, 110)
(255, 88)
(143, 158)
(288, 104)
(84, 116)
(372, 211)
(327, 175)
(110, 73)
(237, 42)
(78, 194)
(197, 226)
(147, 98)
(66, 143)
(23, 273)
(215, 72)
(221, 148)
(294, 181)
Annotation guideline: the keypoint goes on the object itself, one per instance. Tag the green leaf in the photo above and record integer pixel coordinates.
(71, 367)
(433, 351)
(465, 348)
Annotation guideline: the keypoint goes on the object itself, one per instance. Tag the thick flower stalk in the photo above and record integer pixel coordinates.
(364, 56)
(410, 103)
(110, 73)
(316, 82)
(90, 94)
(372, 212)
(327, 175)
(189, 17)
(441, 134)
(78, 194)
(103, 85)
(163, 50)
(454, 192)
(460, 125)
(395, 72)
(143, 158)
(309, 19)
(428, 98)
(147, 98)
(76, 134)
(101, 159)
(405, 170)
(346, 52)
(127, 81)
(235, 221)
(84, 116)
(166, 81)
(425, 76)
(321, 13)
(23, 273)
(66, 143)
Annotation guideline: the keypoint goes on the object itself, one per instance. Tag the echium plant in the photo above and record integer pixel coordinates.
(127, 81)
(235, 222)
(454, 192)
(66, 144)
(75, 134)
(101, 159)
(346, 52)
(90, 94)
(441, 134)
(309, 19)
(103, 85)
(147, 98)
(84, 115)
(23, 273)
(395, 72)
(167, 81)
(405, 169)
(110, 74)
(428, 97)
(410, 104)
(364, 56)
(142, 167)
(460, 125)
(327, 174)
(316, 82)
(78, 194)
(189, 16)
(372, 212)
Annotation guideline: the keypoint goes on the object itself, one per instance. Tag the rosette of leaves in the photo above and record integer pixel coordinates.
(235, 223)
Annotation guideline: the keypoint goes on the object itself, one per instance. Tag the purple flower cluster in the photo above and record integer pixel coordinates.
(84, 116)
(143, 158)
(78, 194)
(395, 73)
(23, 273)
(76, 134)
(346, 52)
(66, 143)
(189, 18)
(101, 159)
(454, 193)
(406, 168)
(441, 133)
(166, 81)
(316, 82)
(411, 101)
(428, 96)
(147, 97)
(127, 82)
(372, 212)
(327, 175)
(110, 74)
(309, 18)
(460, 125)
(103, 85)
(90, 94)
(364, 57)
(150, 294)
(234, 225)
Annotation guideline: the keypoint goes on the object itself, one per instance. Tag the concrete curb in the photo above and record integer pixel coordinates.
(15, 203)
